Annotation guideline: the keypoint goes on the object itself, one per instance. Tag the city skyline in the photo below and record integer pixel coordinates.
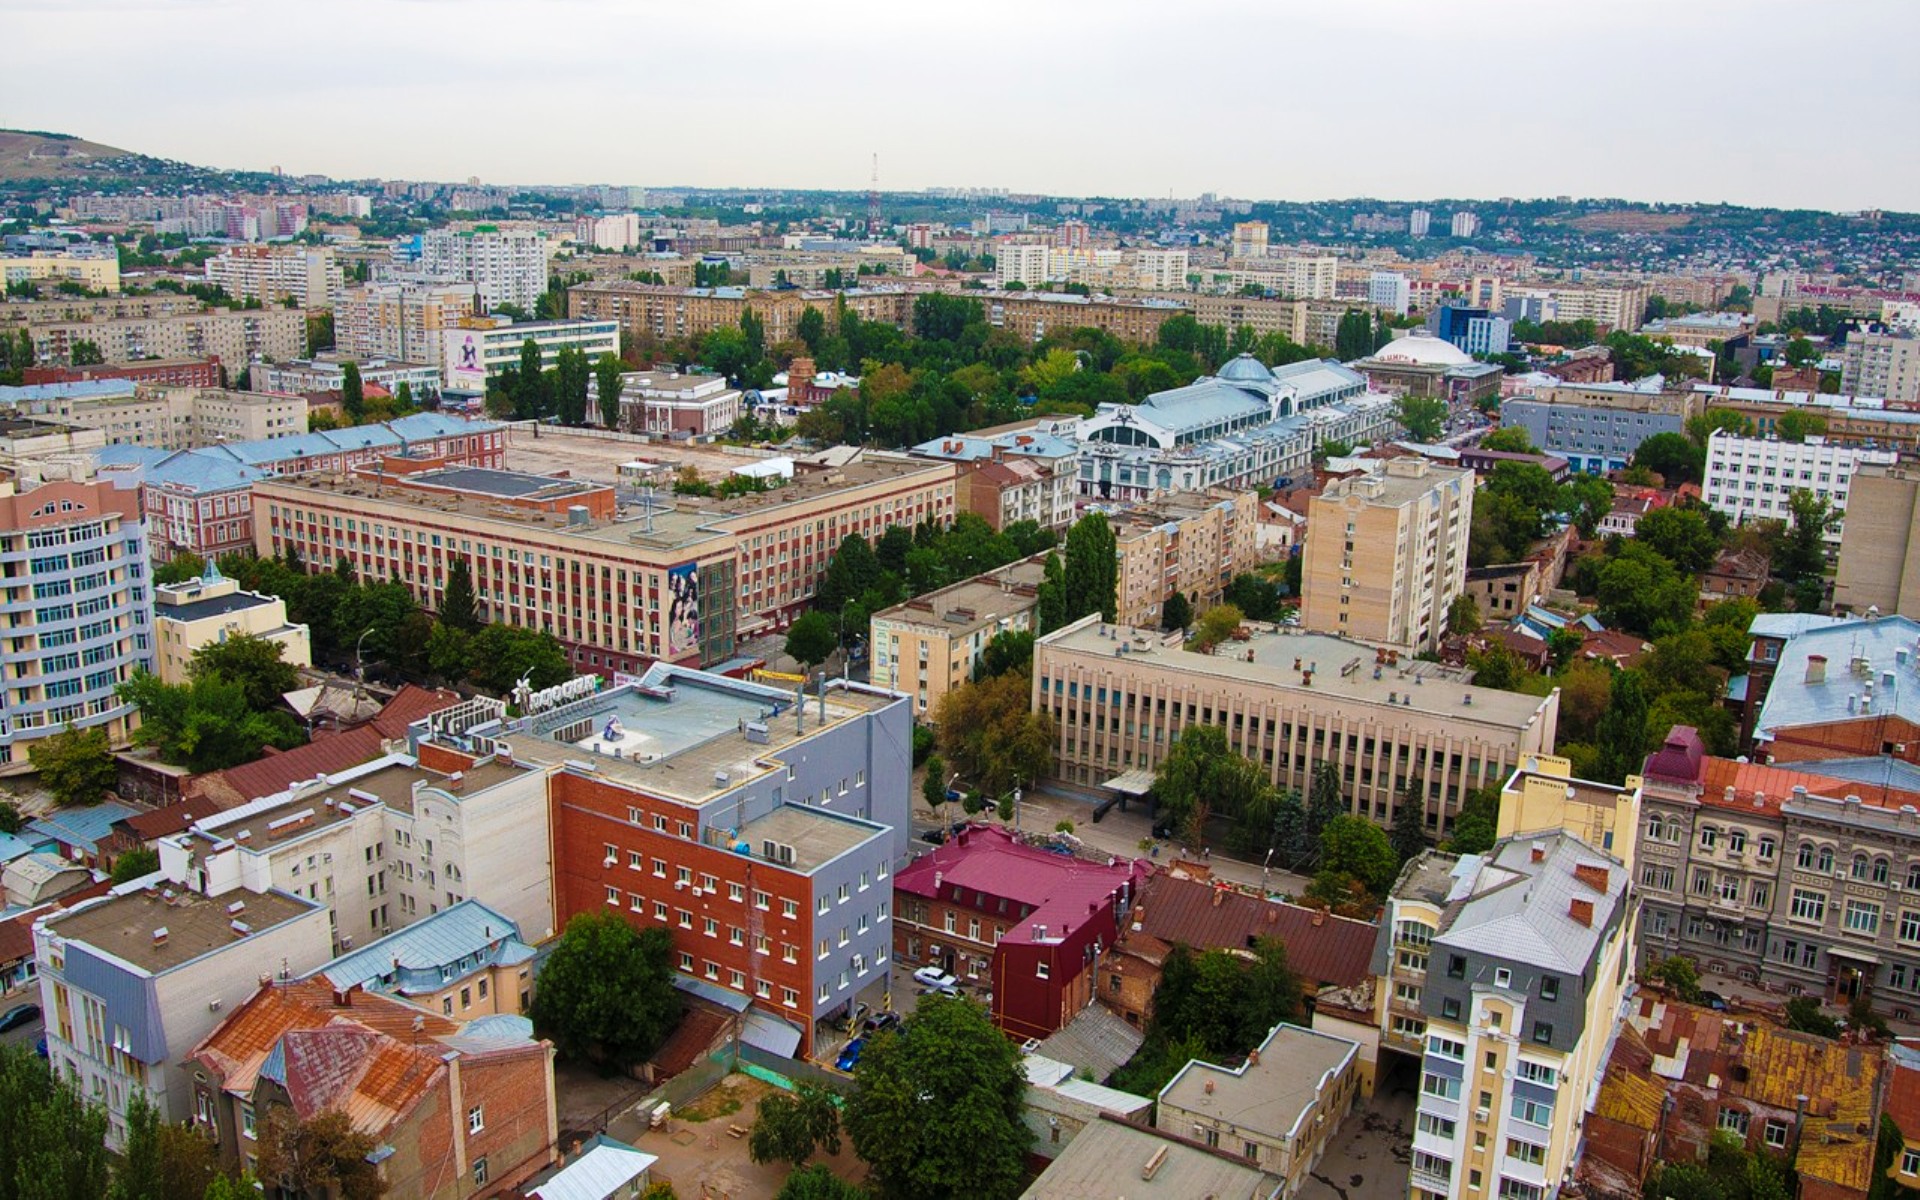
(1357, 101)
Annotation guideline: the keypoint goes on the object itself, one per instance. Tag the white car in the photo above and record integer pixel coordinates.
(934, 977)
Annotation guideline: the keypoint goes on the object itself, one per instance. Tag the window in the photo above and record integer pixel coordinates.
(1538, 1073)
(1042, 970)
(1804, 859)
(1881, 870)
(476, 1118)
(246, 1119)
(1736, 841)
(1432, 1164)
(1543, 1032)
(1549, 987)
(1863, 917)
(1502, 977)
(1766, 849)
(1440, 1086)
(1526, 1152)
(479, 1172)
(1533, 1112)
(613, 895)
(1826, 858)
(1445, 1047)
(1734, 1120)
(1775, 1135)
(1516, 1189)
(1910, 926)
(1809, 906)
(1909, 1162)
(1456, 966)
(1709, 837)
(1450, 1008)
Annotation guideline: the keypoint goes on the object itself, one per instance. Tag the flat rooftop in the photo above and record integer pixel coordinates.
(212, 606)
(506, 485)
(818, 836)
(1109, 1158)
(974, 604)
(275, 819)
(1343, 671)
(687, 736)
(124, 926)
(1268, 1096)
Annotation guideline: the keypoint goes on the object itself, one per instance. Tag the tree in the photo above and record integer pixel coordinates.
(86, 354)
(139, 861)
(792, 1127)
(459, 608)
(1216, 625)
(937, 1109)
(990, 734)
(571, 374)
(1477, 822)
(76, 765)
(52, 1141)
(1254, 595)
(1326, 799)
(1092, 569)
(1622, 732)
(607, 991)
(1423, 416)
(1176, 613)
(1009, 650)
(1509, 439)
(138, 1176)
(1799, 352)
(1681, 536)
(1803, 1014)
(353, 396)
(607, 385)
(1463, 615)
(816, 1182)
(853, 569)
(255, 663)
(1673, 457)
(1796, 425)
(206, 724)
(811, 638)
(1357, 847)
(1678, 973)
(10, 817)
(1703, 426)
(1802, 552)
(503, 654)
(324, 1155)
(1410, 821)
(182, 567)
(811, 328)
(1051, 607)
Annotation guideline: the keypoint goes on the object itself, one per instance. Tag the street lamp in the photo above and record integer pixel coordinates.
(359, 664)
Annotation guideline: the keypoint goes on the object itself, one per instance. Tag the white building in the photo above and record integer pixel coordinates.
(1418, 222)
(668, 402)
(1753, 478)
(616, 231)
(1389, 290)
(1161, 270)
(1022, 264)
(306, 275)
(507, 266)
(1488, 335)
(1308, 278)
(477, 350)
(1886, 365)
(1465, 224)
(325, 372)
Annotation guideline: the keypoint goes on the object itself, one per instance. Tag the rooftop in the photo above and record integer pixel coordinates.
(1057, 889)
(1321, 948)
(465, 937)
(1269, 1093)
(200, 610)
(1511, 905)
(156, 930)
(1405, 480)
(502, 485)
(1342, 672)
(600, 1169)
(1113, 1157)
(971, 605)
(1871, 668)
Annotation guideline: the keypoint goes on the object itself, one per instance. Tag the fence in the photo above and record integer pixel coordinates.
(787, 1071)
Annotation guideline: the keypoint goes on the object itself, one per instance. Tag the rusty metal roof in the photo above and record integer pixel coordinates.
(1325, 949)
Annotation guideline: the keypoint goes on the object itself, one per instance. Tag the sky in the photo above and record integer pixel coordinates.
(1765, 102)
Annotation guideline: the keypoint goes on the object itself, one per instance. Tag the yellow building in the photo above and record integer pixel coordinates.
(99, 273)
(213, 608)
(1387, 554)
(1183, 543)
(930, 645)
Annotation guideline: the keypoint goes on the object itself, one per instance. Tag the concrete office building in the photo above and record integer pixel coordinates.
(307, 276)
(1487, 335)
(1119, 695)
(81, 623)
(478, 348)
(1886, 365)
(1597, 427)
(1387, 554)
(235, 337)
(1753, 478)
(1389, 291)
(931, 644)
(402, 322)
(761, 829)
(678, 580)
(326, 372)
(131, 982)
(164, 417)
(1880, 546)
(209, 610)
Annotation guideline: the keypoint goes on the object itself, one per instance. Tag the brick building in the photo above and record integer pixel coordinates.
(178, 372)
(1030, 921)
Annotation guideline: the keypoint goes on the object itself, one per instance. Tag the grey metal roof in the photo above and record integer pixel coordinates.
(214, 606)
(603, 1167)
(1520, 910)
(461, 939)
(1884, 770)
(1106, 1159)
(1877, 646)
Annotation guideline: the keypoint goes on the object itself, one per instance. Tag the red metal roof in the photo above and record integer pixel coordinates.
(1330, 950)
(277, 772)
(987, 859)
(161, 822)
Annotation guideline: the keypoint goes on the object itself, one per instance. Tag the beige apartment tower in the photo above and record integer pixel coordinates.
(1387, 553)
(1880, 544)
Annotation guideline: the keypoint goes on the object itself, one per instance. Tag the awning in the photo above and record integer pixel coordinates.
(767, 1032)
(711, 992)
(1853, 955)
(1133, 783)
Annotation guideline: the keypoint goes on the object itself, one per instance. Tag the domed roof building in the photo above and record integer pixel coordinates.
(1246, 368)
(1423, 348)
(1420, 364)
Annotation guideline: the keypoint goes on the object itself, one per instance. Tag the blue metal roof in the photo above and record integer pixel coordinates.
(82, 827)
(202, 471)
(1200, 405)
(1884, 770)
(79, 389)
(460, 939)
(12, 847)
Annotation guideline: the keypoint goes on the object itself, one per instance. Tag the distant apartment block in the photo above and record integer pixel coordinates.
(1886, 365)
(1249, 240)
(400, 322)
(1753, 479)
(95, 272)
(1465, 225)
(930, 645)
(1880, 546)
(1021, 263)
(307, 276)
(506, 266)
(160, 416)
(182, 372)
(1389, 291)
(234, 336)
(326, 372)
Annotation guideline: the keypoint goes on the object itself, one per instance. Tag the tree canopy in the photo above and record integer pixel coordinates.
(606, 992)
(990, 734)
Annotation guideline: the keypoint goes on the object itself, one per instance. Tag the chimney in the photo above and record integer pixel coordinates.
(160, 936)
(1816, 668)
(1209, 1087)
(1539, 854)
(1582, 911)
(1594, 877)
(1253, 1057)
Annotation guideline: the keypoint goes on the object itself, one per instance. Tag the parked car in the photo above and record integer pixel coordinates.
(941, 989)
(850, 1057)
(21, 1014)
(879, 1023)
(932, 977)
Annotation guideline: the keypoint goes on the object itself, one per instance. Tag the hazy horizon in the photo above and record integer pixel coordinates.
(1676, 103)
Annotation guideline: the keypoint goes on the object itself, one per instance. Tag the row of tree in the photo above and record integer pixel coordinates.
(530, 391)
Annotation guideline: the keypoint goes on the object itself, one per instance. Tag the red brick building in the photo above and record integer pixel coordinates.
(173, 372)
(1032, 922)
(460, 1109)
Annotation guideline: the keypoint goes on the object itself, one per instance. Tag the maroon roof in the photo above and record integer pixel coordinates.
(16, 937)
(1329, 950)
(174, 818)
(987, 859)
(278, 772)
(410, 704)
(1680, 758)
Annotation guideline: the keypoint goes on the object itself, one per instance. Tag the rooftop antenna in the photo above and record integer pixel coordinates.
(873, 201)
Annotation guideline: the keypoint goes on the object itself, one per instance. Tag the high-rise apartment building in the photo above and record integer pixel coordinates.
(406, 322)
(1024, 264)
(1249, 239)
(1880, 545)
(615, 231)
(1419, 221)
(76, 582)
(1465, 224)
(98, 272)
(1387, 554)
(1390, 291)
(1752, 479)
(235, 337)
(1886, 365)
(1304, 277)
(1161, 270)
(506, 266)
(306, 275)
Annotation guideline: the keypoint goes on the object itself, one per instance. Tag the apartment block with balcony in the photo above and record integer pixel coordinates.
(1191, 544)
(1386, 554)
(76, 611)
(1753, 479)
(308, 276)
(926, 647)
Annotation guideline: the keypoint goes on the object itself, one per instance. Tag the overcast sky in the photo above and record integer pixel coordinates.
(1777, 102)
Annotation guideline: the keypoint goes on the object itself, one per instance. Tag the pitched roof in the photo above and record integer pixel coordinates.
(160, 822)
(84, 827)
(411, 704)
(987, 859)
(276, 772)
(460, 939)
(1521, 909)
(1095, 1041)
(602, 1168)
(1323, 948)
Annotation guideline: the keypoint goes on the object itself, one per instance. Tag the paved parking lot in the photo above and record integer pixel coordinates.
(1369, 1157)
